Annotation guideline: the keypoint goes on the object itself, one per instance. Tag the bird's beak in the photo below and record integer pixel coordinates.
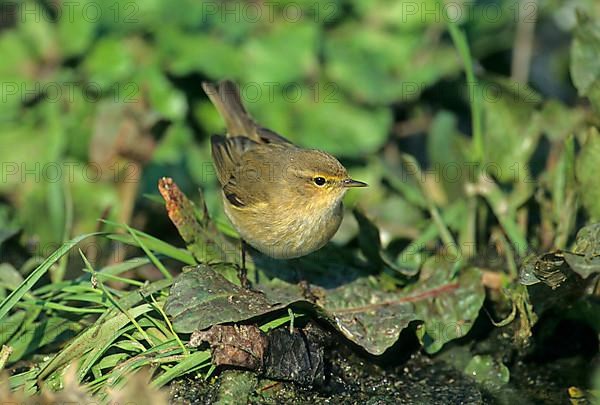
(354, 183)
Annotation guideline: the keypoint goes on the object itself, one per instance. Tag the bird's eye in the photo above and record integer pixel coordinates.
(319, 181)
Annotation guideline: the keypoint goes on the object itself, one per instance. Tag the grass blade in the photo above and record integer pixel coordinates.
(152, 243)
(35, 275)
(186, 365)
(151, 255)
(462, 46)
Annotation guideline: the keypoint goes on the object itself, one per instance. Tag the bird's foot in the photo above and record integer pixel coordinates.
(307, 292)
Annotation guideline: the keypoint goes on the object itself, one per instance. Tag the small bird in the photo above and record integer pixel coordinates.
(284, 200)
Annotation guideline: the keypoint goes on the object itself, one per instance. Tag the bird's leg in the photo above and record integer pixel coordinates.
(307, 292)
(243, 272)
(302, 281)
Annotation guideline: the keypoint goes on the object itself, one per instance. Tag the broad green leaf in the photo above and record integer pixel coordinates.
(512, 128)
(187, 15)
(9, 276)
(370, 244)
(17, 72)
(40, 334)
(493, 374)
(586, 169)
(446, 150)
(28, 159)
(363, 313)
(560, 121)
(202, 297)
(37, 31)
(183, 54)
(264, 52)
(236, 387)
(11, 325)
(355, 131)
(109, 62)
(448, 316)
(373, 319)
(163, 96)
(585, 64)
(374, 65)
(404, 15)
(76, 30)
(178, 138)
(128, 17)
(584, 259)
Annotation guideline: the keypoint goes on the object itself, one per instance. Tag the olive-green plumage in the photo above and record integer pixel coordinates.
(284, 200)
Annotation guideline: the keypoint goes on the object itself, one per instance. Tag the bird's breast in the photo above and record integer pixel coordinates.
(285, 232)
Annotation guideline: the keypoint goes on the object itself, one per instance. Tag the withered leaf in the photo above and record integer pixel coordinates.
(234, 345)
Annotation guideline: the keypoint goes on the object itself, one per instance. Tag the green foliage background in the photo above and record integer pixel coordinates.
(99, 99)
(337, 75)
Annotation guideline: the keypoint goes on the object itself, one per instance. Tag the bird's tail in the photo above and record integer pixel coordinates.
(226, 98)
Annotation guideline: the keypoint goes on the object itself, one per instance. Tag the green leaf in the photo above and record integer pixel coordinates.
(370, 244)
(36, 29)
(264, 52)
(40, 334)
(371, 318)
(9, 276)
(442, 145)
(449, 316)
(153, 243)
(202, 297)
(512, 129)
(75, 32)
(403, 15)
(379, 66)
(564, 193)
(164, 97)
(362, 312)
(11, 325)
(459, 38)
(446, 150)
(95, 354)
(586, 170)
(585, 64)
(184, 53)
(235, 387)
(110, 61)
(347, 133)
(191, 362)
(92, 337)
(374, 319)
(178, 138)
(17, 73)
(585, 256)
(487, 371)
(560, 121)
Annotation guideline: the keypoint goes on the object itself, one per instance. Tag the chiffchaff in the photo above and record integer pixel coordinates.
(283, 200)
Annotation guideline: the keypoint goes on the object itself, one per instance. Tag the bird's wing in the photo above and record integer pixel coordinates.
(226, 98)
(239, 163)
(227, 153)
